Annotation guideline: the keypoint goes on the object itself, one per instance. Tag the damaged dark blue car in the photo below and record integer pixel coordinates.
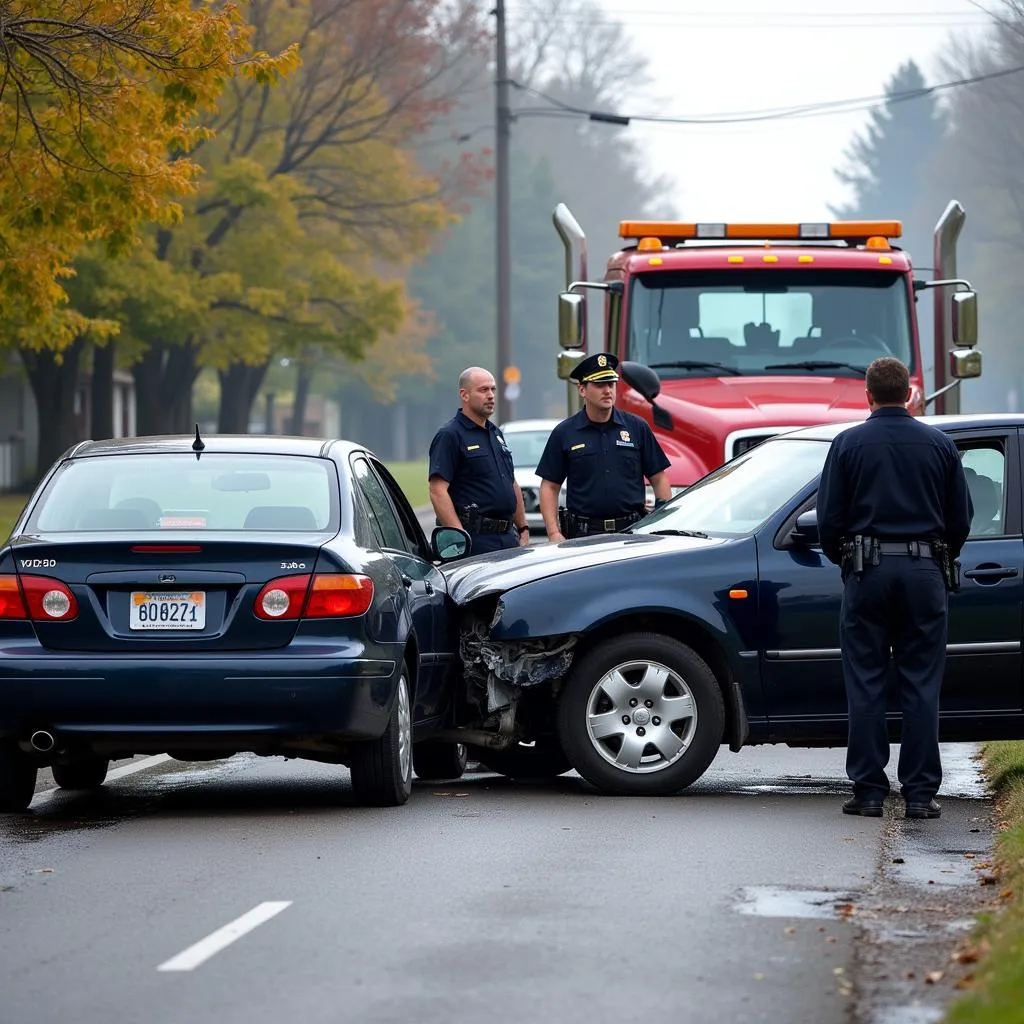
(632, 658)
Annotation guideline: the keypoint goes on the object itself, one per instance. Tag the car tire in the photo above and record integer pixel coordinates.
(17, 780)
(634, 677)
(543, 759)
(382, 768)
(81, 773)
(439, 761)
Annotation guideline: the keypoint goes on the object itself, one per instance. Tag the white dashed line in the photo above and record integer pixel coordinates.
(199, 953)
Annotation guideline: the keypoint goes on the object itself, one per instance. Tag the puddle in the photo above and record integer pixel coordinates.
(922, 868)
(907, 1015)
(771, 901)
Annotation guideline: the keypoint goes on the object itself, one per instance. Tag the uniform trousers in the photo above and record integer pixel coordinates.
(484, 542)
(894, 623)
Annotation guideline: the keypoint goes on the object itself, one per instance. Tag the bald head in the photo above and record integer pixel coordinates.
(477, 393)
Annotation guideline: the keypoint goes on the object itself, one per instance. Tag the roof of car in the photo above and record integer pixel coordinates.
(963, 421)
(255, 444)
(517, 425)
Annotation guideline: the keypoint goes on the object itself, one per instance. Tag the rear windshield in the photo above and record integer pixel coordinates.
(171, 491)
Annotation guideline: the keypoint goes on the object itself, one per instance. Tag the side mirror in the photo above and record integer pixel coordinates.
(641, 378)
(567, 361)
(570, 319)
(964, 320)
(964, 363)
(805, 533)
(449, 543)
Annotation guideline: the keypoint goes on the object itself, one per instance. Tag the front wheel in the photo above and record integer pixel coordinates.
(81, 773)
(641, 714)
(17, 780)
(382, 768)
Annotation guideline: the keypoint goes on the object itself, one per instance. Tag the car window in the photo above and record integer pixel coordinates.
(174, 490)
(985, 468)
(406, 517)
(385, 526)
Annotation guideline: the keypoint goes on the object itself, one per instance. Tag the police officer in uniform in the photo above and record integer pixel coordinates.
(472, 482)
(605, 453)
(894, 511)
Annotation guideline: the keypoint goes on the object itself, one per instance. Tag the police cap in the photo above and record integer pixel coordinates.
(596, 369)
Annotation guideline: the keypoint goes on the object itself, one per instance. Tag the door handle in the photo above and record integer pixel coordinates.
(992, 573)
(406, 581)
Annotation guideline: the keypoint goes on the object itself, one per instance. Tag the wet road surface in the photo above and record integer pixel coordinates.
(252, 890)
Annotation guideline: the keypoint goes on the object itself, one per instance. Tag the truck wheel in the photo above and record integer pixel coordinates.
(82, 773)
(439, 761)
(17, 780)
(543, 759)
(382, 768)
(641, 714)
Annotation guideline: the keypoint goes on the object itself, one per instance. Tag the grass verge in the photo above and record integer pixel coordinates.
(412, 478)
(10, 506)
(997, 993)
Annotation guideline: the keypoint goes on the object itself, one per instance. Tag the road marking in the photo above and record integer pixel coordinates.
(112, 776)
(199, 953)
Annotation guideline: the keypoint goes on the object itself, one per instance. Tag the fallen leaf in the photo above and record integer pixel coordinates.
(43, 871)
(965, 982)
(898, 860)
(838, 970)
(969, 856)
(933, 977)
(790, 930)
(965, 956)
(831, 938)
(988, 880)
(845, 909)
(1006, 894)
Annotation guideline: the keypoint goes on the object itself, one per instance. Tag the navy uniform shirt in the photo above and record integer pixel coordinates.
(477, 464)
(895, 478)
(605, 463)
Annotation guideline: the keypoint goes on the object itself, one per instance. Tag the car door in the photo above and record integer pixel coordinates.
(984, 666)
(407, 548)
(801, 596)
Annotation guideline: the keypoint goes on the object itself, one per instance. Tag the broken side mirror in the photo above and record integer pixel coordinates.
(805, 532)
(449, 543)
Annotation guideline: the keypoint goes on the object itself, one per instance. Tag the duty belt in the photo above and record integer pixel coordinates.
(913, 548)
(584, 524)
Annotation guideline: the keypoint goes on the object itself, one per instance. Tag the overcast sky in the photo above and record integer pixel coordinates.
(709, 57)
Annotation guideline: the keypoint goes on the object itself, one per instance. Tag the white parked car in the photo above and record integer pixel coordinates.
(526, 439)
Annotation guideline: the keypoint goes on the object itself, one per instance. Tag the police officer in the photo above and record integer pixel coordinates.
(605, 453)
(894, 511)
(472, 483)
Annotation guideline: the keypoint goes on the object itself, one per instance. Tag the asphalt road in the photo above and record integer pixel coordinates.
(253, 890)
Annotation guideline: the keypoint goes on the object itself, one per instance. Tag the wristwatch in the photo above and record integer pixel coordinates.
(525, 526)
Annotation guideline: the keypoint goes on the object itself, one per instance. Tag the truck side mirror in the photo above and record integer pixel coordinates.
(570, 319)
(642, 379)
(964, 321)
(964, 363)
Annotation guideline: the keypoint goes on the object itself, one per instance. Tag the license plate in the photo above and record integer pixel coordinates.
(166, 611)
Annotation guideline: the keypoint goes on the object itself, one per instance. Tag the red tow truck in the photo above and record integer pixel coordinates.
(728, 334)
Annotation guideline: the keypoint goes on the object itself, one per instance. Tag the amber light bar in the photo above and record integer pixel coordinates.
(674, 231)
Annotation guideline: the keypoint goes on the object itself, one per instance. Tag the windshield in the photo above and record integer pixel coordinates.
(764, 321)
(526, 446)
(169, 491)
(737, 498)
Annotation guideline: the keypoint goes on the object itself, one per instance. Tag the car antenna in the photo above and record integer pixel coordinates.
(198, 445)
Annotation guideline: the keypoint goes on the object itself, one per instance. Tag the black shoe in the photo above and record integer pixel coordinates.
(919, 810)
(865, 808)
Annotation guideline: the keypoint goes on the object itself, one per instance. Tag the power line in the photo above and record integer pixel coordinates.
(846, 106)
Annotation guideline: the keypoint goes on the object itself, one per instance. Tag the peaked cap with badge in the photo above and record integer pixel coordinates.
(596, 369)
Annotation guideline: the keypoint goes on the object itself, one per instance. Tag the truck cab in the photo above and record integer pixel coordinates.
(728, 334)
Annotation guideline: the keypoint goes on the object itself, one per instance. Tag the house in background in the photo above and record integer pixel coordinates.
(19, 424)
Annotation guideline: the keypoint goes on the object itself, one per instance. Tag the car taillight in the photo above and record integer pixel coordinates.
(325, 595)
(38, 597)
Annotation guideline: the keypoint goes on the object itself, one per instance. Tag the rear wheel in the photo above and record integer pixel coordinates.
(81, 773)
(17, 780)
(438, 761)
(382, 768)
(543, 759)
(641, 714)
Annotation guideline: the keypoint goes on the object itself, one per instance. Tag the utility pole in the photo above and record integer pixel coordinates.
(503, 123)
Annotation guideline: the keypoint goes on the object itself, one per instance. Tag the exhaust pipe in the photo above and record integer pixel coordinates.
(42, 741)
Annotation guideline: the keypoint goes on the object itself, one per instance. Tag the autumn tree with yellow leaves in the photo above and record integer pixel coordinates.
(101, 105)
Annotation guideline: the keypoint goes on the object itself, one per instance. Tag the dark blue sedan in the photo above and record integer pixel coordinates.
(633, 657)
(201, 598)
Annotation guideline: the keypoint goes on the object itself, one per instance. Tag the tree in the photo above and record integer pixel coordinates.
(309, 194)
